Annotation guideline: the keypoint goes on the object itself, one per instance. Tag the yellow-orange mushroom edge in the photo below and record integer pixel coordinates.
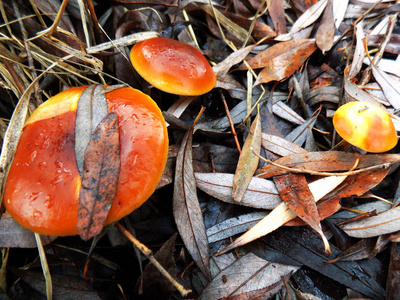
(365, 126)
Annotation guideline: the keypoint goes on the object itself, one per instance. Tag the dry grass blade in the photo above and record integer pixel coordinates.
(45, 267)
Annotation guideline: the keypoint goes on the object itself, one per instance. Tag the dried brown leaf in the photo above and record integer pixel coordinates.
(311, 15)
(384, 223)
(248, 162)
(92, 108)
(326, 30)
(329, 161)
(13, 235)
(99, 182)
(393, 279)
(234, 58)
(186, 208)
(280, 145)
(282, 214)
(277, 13)
(294, 191)
(281, 60)
(354, 93)
(248, 274)
(390, 86)
(359, 52)
(260, 193)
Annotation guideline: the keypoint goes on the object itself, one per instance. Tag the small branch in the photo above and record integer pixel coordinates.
(231, 124)
(149, 254)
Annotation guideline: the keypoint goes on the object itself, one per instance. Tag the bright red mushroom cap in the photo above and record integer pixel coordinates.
(42, 187)
(173, 66)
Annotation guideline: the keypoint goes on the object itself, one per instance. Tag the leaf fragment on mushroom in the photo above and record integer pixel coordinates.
(100, 177)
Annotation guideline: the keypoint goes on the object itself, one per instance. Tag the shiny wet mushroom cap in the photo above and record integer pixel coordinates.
(42, 188)
(365, 126)
(173, 66)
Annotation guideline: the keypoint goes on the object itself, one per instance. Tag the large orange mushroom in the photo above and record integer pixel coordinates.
(365, 126)
(42, 188)
(173, 66)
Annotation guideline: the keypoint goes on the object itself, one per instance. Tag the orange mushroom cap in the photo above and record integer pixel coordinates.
(42, 187)
(365, 126)
(173, 66)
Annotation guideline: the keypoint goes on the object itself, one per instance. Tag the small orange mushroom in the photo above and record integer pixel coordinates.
(42, 188)
(365, 126)
(173, 66)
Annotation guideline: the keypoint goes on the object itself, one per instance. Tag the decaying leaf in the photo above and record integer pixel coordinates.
(326, 30)
(247, 275)
(302, 245)
(354, 93)
(329, 161)
(294, 191)
(392, 282)
(248, 161)
(233, 226)
(282, 214)
(306, 19)
(92, 108)
(280, 145)
(383, 223)
(390, 86)
(186, 208)
(359, 52)
(283, 59)
(260, 193)
(13, 235)
(300, 134)
(100, 177)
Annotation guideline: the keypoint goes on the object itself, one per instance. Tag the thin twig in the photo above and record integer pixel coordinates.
(231, 124)
(149, 254)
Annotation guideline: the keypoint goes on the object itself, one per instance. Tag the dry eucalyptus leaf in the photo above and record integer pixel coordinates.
(282, 214)
(260, 193)
(328, 161)
(92, 108)
(13, 235)
(279, 145)
(186, 208)
(100, 177)
(233, 226)
(294, 191)
(390, 86)
(248, 274)
(384, 223)
(326, 30)
(359, 52)
(248, 161)
(300, 133)
(306, 19)
(354, 93)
